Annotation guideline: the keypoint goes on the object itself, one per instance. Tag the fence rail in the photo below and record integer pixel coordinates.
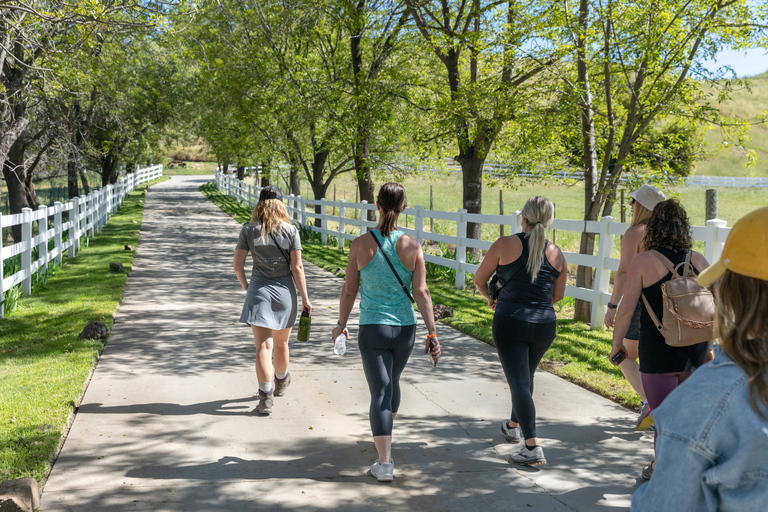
(713, 235)
(86, 215)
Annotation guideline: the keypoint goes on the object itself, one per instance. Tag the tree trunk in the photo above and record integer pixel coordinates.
(241, 172)
(265, 174)
(318, 184)
(29, 190)
(472, 185)
(584, 275)
(15, 178)
(84, 181)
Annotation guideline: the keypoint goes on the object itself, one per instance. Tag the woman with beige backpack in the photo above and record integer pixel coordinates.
(663, 367)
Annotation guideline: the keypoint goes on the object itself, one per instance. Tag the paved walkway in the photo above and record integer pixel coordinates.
(168, 422)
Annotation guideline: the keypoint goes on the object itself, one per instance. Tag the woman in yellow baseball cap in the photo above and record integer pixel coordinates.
(712, 445)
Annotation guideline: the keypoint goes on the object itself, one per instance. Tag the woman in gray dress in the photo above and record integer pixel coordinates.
(271, 303)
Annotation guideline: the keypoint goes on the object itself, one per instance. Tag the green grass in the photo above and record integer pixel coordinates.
(577, 354)
(43, 366)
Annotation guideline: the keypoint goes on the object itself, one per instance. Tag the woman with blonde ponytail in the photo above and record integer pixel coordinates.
(271, 303)
(524, 321)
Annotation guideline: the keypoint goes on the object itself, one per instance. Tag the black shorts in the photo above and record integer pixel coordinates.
(633, 333)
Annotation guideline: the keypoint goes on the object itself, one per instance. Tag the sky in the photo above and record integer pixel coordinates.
(745, 62)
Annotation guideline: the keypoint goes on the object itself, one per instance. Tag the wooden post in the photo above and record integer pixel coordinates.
(431, 207)
(334, 200)
(501, 212)
(357, 200)
(711, 204)
(554, 231)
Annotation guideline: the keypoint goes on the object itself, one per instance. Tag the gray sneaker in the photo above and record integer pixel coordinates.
(526, 457)
(648, 470)
(282, 384)
(266, 400)
(511, 434)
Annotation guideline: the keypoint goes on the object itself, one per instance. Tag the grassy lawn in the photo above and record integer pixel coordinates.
(190, 168)
(578, 353)
(44, 368)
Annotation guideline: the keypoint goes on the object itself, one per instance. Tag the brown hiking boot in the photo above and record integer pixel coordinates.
(266, 401)
(282, 384)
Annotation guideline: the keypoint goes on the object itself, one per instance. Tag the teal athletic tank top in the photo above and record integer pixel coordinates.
(382, 300)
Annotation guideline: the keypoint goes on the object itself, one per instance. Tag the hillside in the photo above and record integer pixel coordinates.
(749, 106)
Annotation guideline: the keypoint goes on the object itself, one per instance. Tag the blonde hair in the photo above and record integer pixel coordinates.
(272, 213)
(741, 323)
(539, 214)
(640, 215)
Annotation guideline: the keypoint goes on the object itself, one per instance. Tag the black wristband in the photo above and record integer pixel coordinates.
(611, 305)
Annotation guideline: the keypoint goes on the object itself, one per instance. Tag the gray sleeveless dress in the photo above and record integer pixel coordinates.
(271, 301)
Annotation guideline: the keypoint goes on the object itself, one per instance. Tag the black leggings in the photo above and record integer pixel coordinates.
(521, 345)
(385, 350)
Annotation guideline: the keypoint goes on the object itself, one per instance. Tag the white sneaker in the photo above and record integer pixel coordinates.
(383, 472)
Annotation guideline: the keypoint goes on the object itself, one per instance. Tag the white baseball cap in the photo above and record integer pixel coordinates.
(648, 196)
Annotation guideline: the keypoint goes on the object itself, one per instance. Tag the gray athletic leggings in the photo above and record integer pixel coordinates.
(385, 350)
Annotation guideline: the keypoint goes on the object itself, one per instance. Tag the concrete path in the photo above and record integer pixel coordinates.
(168, 423)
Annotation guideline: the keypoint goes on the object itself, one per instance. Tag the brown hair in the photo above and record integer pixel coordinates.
(741, 323)
(391, 199)
(539, 212)
(668, 227)
(640, 215)
(272, 213)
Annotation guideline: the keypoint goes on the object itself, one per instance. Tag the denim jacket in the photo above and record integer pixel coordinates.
(712, 447)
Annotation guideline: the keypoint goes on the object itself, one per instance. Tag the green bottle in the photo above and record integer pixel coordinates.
(304, 323)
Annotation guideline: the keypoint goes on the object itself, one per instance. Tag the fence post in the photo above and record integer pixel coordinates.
(42, 230)
(2, 289)
(26, 255)
(363, 217)
(89, 220)
(57, 230)
(73, 223)
(461, 249)
(602, 273)
(323, 222)
(342, 212)
(418, 223)
(714, 246)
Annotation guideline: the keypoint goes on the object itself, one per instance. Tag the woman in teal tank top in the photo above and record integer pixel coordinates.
(387, 320)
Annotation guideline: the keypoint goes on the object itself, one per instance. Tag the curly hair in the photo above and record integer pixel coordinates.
(668, 227)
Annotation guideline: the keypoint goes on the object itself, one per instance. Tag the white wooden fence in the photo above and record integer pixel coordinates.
(713, 235)
(87, 216)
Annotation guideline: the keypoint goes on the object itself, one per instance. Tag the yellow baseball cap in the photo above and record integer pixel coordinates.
(745, 251)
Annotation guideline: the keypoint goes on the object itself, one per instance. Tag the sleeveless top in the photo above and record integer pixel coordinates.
(655, 355)
(382, 300)
(523, 300)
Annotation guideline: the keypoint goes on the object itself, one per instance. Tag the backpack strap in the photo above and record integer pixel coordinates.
(665, 261)
(653, 316)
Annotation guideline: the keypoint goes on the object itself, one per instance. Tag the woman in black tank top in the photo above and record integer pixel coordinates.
(524, 324)
(662, 367)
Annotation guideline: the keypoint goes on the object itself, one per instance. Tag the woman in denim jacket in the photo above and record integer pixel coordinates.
(712, 446)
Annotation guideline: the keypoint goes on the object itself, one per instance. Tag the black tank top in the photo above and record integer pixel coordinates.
(523, 300)
(655, 355)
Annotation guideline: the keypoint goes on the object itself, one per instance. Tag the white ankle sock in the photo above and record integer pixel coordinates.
(266, 387)
(281, 376)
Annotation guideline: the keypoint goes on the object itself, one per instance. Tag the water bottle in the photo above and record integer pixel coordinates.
(304, 322)
(340, 345)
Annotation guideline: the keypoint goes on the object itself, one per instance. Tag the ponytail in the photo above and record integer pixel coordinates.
(391, 200)
(539, 214)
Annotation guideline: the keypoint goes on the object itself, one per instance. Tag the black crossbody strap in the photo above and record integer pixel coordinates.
(287, 258)
(514, 269)
(402, 285)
